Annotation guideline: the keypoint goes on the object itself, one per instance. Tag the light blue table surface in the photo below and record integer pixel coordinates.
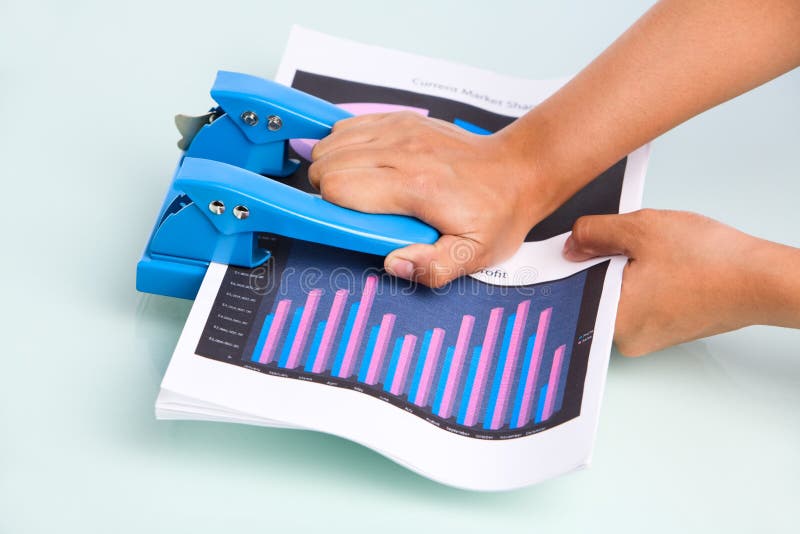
(703, 437)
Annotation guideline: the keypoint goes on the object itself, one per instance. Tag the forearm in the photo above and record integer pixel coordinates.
(680, 59)
(774, 285)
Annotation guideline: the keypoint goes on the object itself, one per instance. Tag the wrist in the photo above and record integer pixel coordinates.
(773, 275)
(557, 152)
(538, 186)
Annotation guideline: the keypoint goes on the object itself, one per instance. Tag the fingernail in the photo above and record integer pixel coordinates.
(400, 268)
(570, 251)
(569, 246)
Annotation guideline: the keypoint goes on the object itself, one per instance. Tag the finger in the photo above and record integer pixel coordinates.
(360, 120)
(437, 264)
(355, 157)
(332, 143)
(339, 140)
(602, 235)
(372, 127)
(371, 190)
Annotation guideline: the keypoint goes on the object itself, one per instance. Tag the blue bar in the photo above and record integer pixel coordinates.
(348, 329)
(448, 359)
(387, 382)
(262, 338)
(312, 353)
(498, 372)
(540, 406)
(426, 341)
(287, 345)
(468, 126)
(373, 336)
(473, 370)
(522, 380)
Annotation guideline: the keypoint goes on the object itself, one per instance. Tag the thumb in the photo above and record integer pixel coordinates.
(602, 235)
(435, 265)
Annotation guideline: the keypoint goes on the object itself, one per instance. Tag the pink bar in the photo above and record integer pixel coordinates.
(552, 385)
(331, 326)
(534, 369)
(487, 350)
(300, 339)
(406, 351)
(456, 366)
(510, 365)
(431, 359)
(275, 330)
(360, 323)
(378, 353)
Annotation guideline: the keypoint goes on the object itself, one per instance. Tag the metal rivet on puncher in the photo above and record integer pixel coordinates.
(217, 207)
(241, 212)
(274, 123)
(250, 118)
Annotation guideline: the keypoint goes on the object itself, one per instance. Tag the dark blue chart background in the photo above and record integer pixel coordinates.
(247, 296)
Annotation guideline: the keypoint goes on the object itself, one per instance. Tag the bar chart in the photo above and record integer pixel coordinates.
(479, 360)
(451, 381)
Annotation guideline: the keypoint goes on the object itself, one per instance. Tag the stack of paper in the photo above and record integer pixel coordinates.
(491, 383)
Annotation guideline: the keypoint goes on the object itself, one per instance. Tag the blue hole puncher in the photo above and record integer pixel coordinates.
(222, 203)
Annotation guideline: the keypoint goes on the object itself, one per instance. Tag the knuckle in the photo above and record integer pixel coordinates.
(338, 126)
(411, 140)
(317, 149)
(406, 117)
(333, 187)
(315, 173)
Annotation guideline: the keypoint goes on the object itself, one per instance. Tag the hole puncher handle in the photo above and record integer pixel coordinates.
(239, 201)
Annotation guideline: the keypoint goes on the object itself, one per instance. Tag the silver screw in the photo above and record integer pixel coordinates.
(217, 207)
(249, 118)
(274, 123)
(241, 212)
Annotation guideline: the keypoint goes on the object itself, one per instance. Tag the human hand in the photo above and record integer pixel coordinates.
(689, 277)
(474, 189)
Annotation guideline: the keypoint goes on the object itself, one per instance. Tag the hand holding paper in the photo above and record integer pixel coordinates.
(689, 277)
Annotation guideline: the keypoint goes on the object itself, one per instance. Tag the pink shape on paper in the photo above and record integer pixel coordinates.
(552, 384)
(378, 353)
(429, 367)
(487, 350)
(510, 364)
(406, 351)
(331, 327)
(300, 339)
(535, 365)
(275, 330)
(456, 366)
(362, 315)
